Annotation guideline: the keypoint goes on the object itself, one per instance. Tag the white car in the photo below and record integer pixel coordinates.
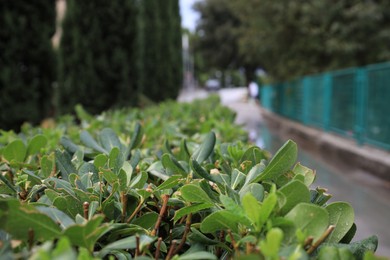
(213, 84)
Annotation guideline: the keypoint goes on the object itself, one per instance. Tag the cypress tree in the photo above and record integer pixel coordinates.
(98, 62)
(161, 68)
(27, 61)
(150, 26)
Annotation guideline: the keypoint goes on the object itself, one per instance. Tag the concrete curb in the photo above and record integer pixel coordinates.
(332, 147)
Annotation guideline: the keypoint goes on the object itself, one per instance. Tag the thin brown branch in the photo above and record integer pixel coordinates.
(186, 231)
(31, 236)
(124, 205)
(308, 242)
(86, 209)
(222, 240)
(141, 202)
(234, 244)
(321, 239)
(165, 198)
(137, 245)
(171, 250)
(157, 253)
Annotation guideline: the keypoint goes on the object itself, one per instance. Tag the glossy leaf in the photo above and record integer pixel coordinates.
(283, 160)
(136, 137)
(127, 243)
(194, 208)
(169, 162)
(295, 192)
(64, 164)
(17, 219)
(312, 219)
(220, 220)
(90, 142)
(87, 234)
(109, 139)
(57, 216)
(342, 216)
(205, 149)
(146, 221)
(169, 183)
(201, 255)
(115, 160)
(256, 189)
(36, 144)
(237, 178)
(15, 150)
(193, 193)
(309, 174)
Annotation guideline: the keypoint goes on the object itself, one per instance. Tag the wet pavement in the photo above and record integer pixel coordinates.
(369, 198)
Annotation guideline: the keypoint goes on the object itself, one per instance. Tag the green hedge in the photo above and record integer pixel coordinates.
(176, 181)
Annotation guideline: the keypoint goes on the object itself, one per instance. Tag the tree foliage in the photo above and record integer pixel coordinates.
(161, 61)
(27, 61)
(98, 55)
(293, 38)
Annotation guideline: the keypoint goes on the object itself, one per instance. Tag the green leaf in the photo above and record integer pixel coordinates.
(109, 139)
(146, 221)
(139, 181)
(271, 245)
(136, 138)
(342, 216)
(88, 140)
(312, 219)
(220, 220)
(17, 219)
(231, 205)
(36, 144)
(169, 162)
(199, 170)
(256, 189)
(198, 255)
(7, 182)
(57, 216)
(191, 209)
(237, 178)
(87, 234)
(15, 150)
(335, 253)
(100, 160)
(309, 174)
(193, 193)
(295, 192)
(283, 160)
(170, 182)
(115, 160)
(184, 154)
(69, 145)
(254, 173)
(205, 149)
(47, 165)
(254, 154)
(198, 237)
(127, 243)
(64, 164)
(252, 208)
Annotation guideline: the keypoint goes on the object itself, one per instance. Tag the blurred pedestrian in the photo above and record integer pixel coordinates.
(253, 89)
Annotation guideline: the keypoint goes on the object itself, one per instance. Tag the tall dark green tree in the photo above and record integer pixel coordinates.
(27, 61)
(161, 69)
(98, 55)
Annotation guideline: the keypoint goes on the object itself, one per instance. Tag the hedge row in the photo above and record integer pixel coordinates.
(176, 181)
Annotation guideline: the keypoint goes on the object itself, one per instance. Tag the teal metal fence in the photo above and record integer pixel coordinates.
(353, 102)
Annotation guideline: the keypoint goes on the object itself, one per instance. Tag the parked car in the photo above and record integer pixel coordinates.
(212, 84)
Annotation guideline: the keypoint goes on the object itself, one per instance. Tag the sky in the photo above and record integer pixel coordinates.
(188, 16)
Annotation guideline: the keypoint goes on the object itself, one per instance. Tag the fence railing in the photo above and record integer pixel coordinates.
(353, 102)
